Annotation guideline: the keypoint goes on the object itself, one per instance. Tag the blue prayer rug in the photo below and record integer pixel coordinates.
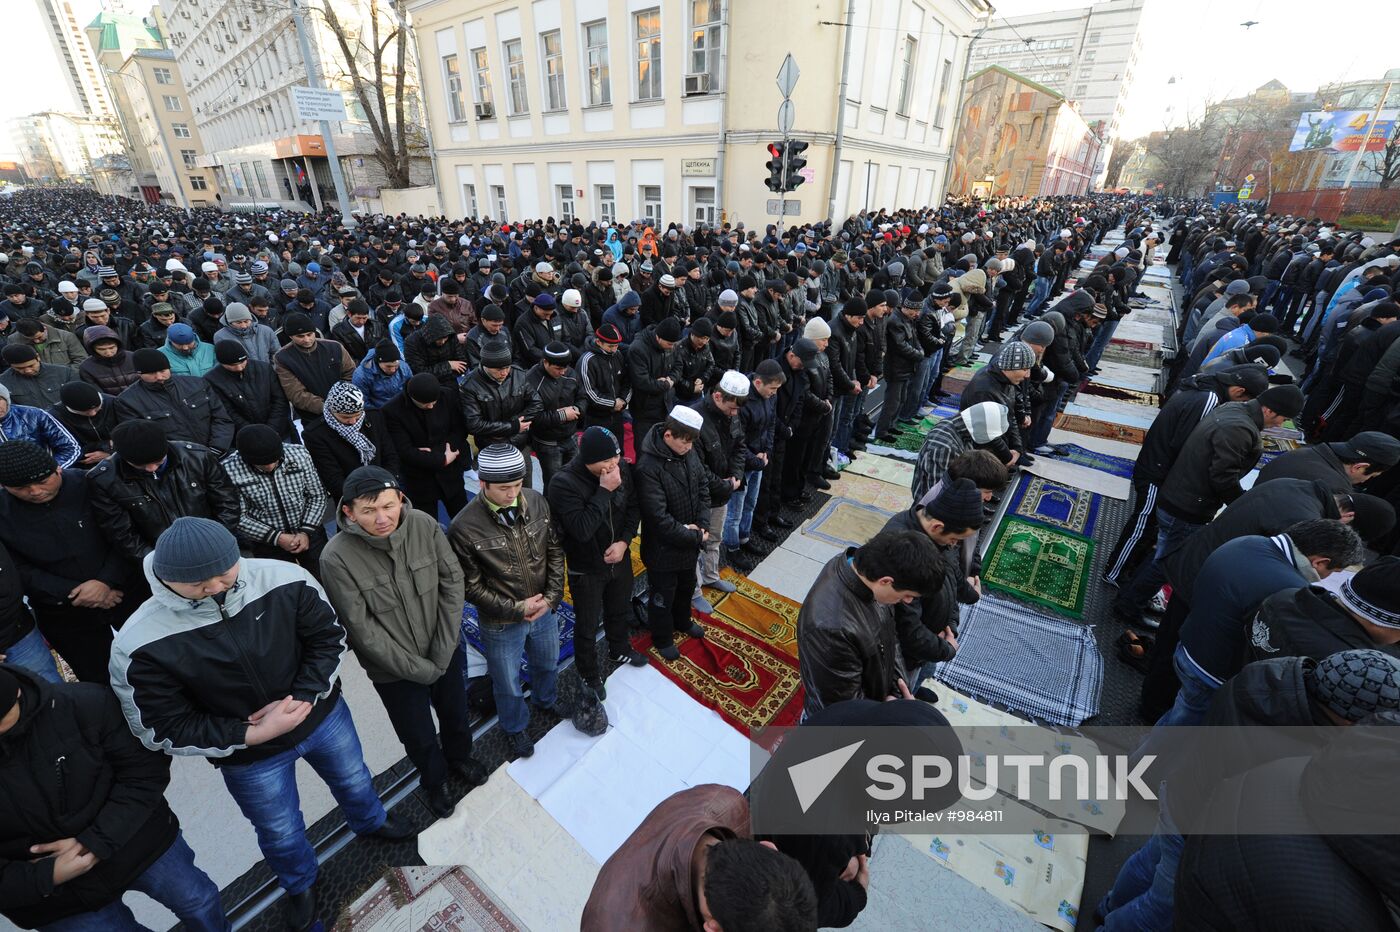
(1055, 505)
(471, 630)
(1113, 465)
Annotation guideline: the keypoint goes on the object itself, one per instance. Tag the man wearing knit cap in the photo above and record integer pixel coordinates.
(38, 426)
(724, 344)
(722, 453)
(409, 643)
(77, 587)
(31, 381)
(186, 352)
(184, 405)
(694, 363)
(841, 354)
(308, 366)
(602, 375)
(674, 490)
(509, 548)
(554, 431)
(1000, 382)
(1219, 451)
(903, 355)
(258, 339)
(498, 405)
(977, 427)
(248, 389)
(594, 502)
(283, 501)
(1364, 612)
(254, 718)
(426, 426)
(651, 373)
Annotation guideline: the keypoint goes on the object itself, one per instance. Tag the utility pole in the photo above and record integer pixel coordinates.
(313, 79)
(841, 111)
(1366, 140)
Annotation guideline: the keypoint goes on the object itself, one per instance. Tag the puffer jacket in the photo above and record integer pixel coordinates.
(422, 354)
(253, 396)
(591, 519)
(505, 565)
(110, 374)
(1307, 622)
(846, 642)
(972, 286)
(186, 406)
(21, 422)
(135, 506)
(399, 596)
(259, 341)
(493, 409)
(721, 449)
(71, 769)
(1218, 453)
(647, 364)
(196, 362)
(379, 389)
(673, 491)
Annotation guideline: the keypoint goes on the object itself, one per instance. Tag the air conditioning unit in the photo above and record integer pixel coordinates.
(199, 61)
(242, 82)
(185, 13)
(485, 111)
(697, 84)
(244, 24)
(218, 47)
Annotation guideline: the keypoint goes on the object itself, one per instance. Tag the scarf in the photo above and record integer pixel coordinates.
(350, 433)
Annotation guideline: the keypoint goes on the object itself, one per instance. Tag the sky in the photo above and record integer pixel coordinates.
(1201, 43)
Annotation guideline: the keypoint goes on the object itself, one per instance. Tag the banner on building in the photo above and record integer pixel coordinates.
(1342, 130)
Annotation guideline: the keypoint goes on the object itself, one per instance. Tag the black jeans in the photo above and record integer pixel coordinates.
(448, 488)
(555, 456)
(889, 408)
(310, 558)
(770, 493)
(411, 706)
(83, 636)
(668, 602)
(601, 598)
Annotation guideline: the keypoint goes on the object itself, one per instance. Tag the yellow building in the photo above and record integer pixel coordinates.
(615, 110)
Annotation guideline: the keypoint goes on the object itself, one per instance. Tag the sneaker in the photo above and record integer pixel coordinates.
(702, 605)
(471, 770)
(1044, 450)
(670, 653)
(720, 585)
(696, 630)
(438, 801)
(1158, 605)
(394, 829)
(521, 745)
(629, 656)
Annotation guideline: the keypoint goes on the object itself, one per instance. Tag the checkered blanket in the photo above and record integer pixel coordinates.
(1024, 660)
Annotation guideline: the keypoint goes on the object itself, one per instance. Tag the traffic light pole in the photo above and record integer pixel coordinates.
(782, 192)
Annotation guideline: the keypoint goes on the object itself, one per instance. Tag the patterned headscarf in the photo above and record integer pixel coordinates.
(346, 398)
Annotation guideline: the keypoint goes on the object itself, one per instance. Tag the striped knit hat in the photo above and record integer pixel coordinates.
(985, 421)
(106, 271)
(500, 462)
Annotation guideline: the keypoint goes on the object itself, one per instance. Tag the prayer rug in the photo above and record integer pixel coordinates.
(884, 469)
(1104, 462)
(1110, 409)
(1121, 394)
(1133, 354)
(750, 683)
(846, 523)
(471, 630)
(1056, 505)
(440, 899)
(761, 612)
(1018, 658)
(1080, 477)
(1094, 427)
(1039, 563)
(883, 495)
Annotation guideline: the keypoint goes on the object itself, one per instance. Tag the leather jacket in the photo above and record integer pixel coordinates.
(505, 565)
(846, 642)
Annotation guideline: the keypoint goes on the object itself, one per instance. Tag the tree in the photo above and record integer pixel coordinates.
(1121, 152)
(1386, 163)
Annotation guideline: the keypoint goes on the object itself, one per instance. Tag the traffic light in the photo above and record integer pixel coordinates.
(775, 167)
(792, 177)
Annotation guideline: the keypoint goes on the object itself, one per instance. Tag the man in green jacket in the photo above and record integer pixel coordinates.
(397, 587)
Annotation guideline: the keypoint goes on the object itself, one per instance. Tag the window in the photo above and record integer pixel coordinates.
(498, 194)
(906, 74)
(515, 77)
(262, 179)
(1094, 38)
(705, 38)
(648, 29)
(172, 103)
(469, 199)
(595, 40)
(552, 54)
(483, 76)
(565, 195)
(163, 76)
(187, 156)
(703, 210)
(651, 203)
(1089, 54)
(197, 183)
(607, 203)
(452, 80)
(943, 88)
(1080, 90)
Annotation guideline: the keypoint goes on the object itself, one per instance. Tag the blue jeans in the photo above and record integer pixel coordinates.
(917, 396)
(33, 654)
(266, 793)
(1141, 897)
(738, 518)
(847, 407)
(174, 882)
(503, 645)
(1102, 337)
(1194, 698)
(1040, 430)
(1040, 293)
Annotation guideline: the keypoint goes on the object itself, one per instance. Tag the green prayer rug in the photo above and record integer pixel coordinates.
(1040, 564)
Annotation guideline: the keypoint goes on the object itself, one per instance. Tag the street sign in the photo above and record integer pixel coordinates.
(785, 116)
(777, 207)
(788, 73)
(313, 104)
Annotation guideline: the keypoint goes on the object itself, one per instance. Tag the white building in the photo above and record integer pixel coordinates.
(76, 61)
(240, 60)
(1089, 54)
(624, 109)
(57, 146)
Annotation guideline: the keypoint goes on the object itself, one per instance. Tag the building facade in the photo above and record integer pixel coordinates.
(615, 110)
(240, 60)
(1018, 138)
(161, 125)
(57, 146)
(113, 37)
(1088, 54)
(76, 61)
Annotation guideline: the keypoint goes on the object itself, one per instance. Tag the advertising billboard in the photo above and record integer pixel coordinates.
(1342, 130)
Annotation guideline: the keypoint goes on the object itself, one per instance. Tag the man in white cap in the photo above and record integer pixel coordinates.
(976, 427)
(722, 453)
(674, 491)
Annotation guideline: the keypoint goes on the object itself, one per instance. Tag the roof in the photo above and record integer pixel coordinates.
(118, 31)
(1019, 78)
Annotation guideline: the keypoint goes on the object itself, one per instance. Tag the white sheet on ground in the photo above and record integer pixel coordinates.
(1097, 444)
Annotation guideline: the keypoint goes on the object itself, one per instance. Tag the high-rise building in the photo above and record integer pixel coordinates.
(664, 109)
(1088, 54)
(57, 146)
(76, 60)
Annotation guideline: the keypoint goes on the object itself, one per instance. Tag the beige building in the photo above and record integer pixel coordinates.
(614, 110)
(57, 146)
